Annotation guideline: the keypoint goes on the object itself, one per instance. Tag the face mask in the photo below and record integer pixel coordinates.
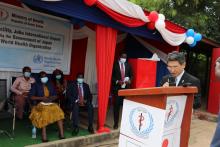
(44, 80)
(58, 77)
(80, 80)
(27, 74)
(123, 60)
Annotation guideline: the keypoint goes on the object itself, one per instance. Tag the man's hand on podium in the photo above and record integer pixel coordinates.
(166, 84)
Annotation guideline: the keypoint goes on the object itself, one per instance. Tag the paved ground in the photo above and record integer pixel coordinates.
(201, 132)
(200, 135)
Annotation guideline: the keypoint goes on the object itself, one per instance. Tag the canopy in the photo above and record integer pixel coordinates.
(76, 9)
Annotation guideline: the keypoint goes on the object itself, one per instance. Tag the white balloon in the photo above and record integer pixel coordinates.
(161, 17)
(189, 40)
(160, 24)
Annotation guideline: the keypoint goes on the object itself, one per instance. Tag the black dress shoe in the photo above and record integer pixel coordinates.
(61, 137)
(91, 130)
(45, 140)
(75, 131)
(115, 127)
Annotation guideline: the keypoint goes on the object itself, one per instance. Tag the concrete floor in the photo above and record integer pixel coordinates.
(201, 134)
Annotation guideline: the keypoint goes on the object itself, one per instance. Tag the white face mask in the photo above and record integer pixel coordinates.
(123, 60)
(27, 74)
(80, 80)
(58, 77)
(44, 80)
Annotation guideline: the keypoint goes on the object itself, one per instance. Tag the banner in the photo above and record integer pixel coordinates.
(29, 38)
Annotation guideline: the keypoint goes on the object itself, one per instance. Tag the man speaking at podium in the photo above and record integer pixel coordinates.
(176, 64)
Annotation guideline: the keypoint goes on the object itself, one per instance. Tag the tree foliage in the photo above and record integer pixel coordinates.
(201, 15)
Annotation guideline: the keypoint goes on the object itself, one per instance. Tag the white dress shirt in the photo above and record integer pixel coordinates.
(179, 77)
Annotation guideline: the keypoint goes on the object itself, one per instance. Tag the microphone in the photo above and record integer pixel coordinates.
(172, 80)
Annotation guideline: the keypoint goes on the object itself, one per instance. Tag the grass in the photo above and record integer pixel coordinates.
(23, 133)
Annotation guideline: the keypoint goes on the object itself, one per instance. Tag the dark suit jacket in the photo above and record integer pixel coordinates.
(188, 78)
(72, 93)
(116, 75)
(37, 89)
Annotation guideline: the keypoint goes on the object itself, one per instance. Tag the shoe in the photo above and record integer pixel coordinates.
(61, 137)
(115, 126)
(75, 131)
(45, 140)
(91, 130)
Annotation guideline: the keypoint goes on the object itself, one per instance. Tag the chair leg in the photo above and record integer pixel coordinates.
(6, 133)
(13, 125)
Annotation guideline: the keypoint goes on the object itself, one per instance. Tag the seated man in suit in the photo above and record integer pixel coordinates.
(176, 63)
(79, 95)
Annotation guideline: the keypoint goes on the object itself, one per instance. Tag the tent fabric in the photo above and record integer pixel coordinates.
(76, 9)
(152, 49)
(132, 15)
(78, 56)
(90, 75)
(128, 21)
(105, 51)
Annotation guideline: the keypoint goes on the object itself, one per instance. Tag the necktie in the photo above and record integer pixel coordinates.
(122, 72)
(80, 94)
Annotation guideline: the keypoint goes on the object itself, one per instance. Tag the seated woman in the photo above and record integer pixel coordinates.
(60, 86)
(21, 88)
(45, 111)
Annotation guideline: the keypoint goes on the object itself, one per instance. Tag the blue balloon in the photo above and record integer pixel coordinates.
(190, 32)
(198, 37)
(193, 44)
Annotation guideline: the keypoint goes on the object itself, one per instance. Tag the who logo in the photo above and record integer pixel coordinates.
(3, 14)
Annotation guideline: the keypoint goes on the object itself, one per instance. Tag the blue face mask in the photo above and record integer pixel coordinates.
(80, 80)
(58, 77)
(44, 80)
(27, 74)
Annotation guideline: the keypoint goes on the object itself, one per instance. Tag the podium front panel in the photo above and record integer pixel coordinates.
(174, 112)
(141, 125)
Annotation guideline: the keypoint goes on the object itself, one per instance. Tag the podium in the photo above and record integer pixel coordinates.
(156, 117)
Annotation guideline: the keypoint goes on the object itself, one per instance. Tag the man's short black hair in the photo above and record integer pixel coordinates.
(26, 68)
(176, 56)
(80, 75)
(42, 73)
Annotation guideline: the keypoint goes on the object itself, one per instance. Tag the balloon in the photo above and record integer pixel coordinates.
(160, 24)
(189, 40)
(90, 2)
(190, 32)
(161, 17)
(165, 143)
(198, 37)
(153, 16)
(193, 44)
(151, 25)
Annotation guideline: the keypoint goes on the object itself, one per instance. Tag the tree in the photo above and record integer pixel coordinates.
(201, 15)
